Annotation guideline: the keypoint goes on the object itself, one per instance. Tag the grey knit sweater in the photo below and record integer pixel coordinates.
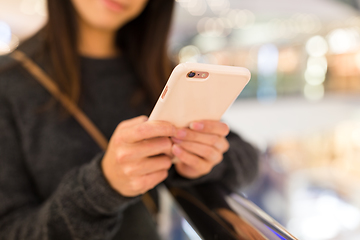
(51, 183)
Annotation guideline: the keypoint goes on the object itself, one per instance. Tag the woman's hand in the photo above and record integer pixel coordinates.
(200, 147)
(138, 156)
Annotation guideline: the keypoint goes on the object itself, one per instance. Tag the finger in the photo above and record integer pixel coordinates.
(147, 130)
(204, 151)
(209, 126)
(195, 162)
(219, 143)
(148, 166)
(175, 160)
(187, 171)
(186, 134)
(149, 181)
(144, 149)
(142, 184)
(133, 121)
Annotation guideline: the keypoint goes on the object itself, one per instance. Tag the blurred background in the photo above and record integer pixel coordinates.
(301, 107)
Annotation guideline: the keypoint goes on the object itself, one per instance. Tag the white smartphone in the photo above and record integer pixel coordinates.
(197, 91)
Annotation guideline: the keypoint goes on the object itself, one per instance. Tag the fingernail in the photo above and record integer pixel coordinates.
(196, 126)
(175, 140)
(181, 133)
(176, 150)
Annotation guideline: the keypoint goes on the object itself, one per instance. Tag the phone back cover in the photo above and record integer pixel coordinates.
(192, 99)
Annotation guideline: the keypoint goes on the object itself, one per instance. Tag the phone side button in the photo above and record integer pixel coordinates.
(164, 92)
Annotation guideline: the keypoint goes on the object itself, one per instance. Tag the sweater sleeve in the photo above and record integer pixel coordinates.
(238, 168)
(84, 206)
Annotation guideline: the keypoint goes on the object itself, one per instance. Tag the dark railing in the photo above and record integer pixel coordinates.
(213, 212)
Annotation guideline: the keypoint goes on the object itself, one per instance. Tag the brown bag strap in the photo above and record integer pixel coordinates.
(73, 109)
(45, 80)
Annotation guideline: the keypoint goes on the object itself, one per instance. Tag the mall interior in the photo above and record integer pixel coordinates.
(301, 108)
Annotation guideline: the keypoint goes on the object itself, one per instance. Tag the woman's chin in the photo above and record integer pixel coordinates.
(106, 23)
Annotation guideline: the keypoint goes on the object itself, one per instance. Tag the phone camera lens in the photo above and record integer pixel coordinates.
(191, 74)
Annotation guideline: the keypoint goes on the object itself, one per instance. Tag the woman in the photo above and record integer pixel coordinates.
(109, 57)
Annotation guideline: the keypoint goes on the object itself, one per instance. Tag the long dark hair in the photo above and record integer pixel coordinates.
(143, 41)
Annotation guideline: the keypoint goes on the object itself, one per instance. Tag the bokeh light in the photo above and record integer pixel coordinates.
(343, 40)
(315, 75)
(314, 92)
(189, 54)
(268, 57)
(218, 6)
(5, 33)
(8, 41)
(316, 46)
(194, 7)
(31, 7)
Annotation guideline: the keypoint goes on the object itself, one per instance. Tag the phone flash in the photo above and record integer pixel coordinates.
(196, 74)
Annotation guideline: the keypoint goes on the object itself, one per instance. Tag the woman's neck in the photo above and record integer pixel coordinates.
(95, 42)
